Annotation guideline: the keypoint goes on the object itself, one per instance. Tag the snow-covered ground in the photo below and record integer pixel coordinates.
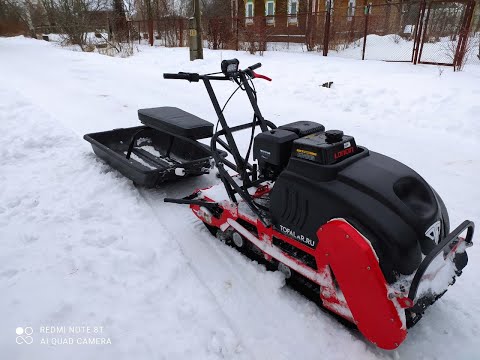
(81, 246)
(390, 47)
(395, 48)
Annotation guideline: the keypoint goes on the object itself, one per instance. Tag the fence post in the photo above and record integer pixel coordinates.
(180, 20)
(139, 24)
(352, 30)
(150, 31)
(165, 32)
(463, 38)
(307, 30)
(288, 31)
(314, 30)
(326, 37)
(236, 34)
(424, 35)
(418, 31)
(367, 14)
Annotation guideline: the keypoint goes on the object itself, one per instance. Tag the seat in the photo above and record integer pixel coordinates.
(176, 122)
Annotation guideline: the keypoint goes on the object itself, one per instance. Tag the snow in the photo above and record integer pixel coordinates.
(81, 246)
(440, 273)
(140, 160)
(395, 48)
(437, 278)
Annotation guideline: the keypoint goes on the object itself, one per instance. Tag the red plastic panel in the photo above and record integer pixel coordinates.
(356, 269)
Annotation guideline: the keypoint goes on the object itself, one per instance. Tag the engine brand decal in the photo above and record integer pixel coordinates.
(433, 232)
(306, 154)
(343, 153)
(299, 237)
(265, 154)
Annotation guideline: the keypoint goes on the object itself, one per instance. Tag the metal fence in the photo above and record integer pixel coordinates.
(429, 32)
(420, 31)
(444, 35)
(473, 48)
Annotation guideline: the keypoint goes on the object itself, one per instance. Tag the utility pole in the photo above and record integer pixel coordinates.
(195, 27)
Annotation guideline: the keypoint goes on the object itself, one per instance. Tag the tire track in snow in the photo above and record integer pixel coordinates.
(266, 317)
(149, 201)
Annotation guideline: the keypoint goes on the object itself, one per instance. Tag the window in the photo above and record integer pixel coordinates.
(270, 8)
(293, 7)
(350, 9)
(292, 11)
(270, 11)
(249, 12)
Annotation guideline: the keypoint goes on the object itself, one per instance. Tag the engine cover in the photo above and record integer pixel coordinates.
(272, 149)
(389, 203)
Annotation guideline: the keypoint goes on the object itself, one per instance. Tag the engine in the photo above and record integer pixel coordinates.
(304, 140)
(322, 175)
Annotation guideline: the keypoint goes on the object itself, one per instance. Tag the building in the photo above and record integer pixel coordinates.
(303, 21)
(306, 20)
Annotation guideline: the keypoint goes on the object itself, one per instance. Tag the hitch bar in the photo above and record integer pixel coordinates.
(213, 207)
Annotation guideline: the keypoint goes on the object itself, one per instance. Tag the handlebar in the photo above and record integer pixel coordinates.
(255, 67)
(194, 77)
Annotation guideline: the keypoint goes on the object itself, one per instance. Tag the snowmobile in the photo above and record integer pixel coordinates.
(362, 232)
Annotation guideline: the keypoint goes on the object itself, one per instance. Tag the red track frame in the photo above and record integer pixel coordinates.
(345, 260)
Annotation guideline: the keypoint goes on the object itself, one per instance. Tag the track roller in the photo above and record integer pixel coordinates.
(238, 240)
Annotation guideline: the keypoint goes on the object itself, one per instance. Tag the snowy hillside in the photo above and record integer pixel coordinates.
(81, 246)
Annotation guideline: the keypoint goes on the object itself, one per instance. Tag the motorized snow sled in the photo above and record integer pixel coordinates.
(363, 233)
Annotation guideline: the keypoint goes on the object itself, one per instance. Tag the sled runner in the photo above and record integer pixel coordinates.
(362, 233)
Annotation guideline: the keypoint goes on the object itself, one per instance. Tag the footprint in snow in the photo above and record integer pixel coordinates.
(14, 203)
(29, 238)
(63, 312)
(146, 258)
(224, 344)
(100, 241)
(186, 311)
(8, 274)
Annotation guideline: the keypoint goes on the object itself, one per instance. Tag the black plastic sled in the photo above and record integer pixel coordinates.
(164, 149)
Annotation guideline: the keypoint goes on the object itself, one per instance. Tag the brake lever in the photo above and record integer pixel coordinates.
(260, 76)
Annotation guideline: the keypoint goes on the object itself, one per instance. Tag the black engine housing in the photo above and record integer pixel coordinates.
(389, 203)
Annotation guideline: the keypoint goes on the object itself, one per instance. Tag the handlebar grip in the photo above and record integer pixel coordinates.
(179, 76)
(256, 66)
(183, 76)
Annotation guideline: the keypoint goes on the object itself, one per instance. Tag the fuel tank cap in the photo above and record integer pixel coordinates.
(333, 136)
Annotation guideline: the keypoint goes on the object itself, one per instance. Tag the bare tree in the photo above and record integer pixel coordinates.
(450, 49)
(23, 9)
(74, 19)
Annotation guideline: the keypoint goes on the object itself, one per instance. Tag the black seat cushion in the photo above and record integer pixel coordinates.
(176, 121)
